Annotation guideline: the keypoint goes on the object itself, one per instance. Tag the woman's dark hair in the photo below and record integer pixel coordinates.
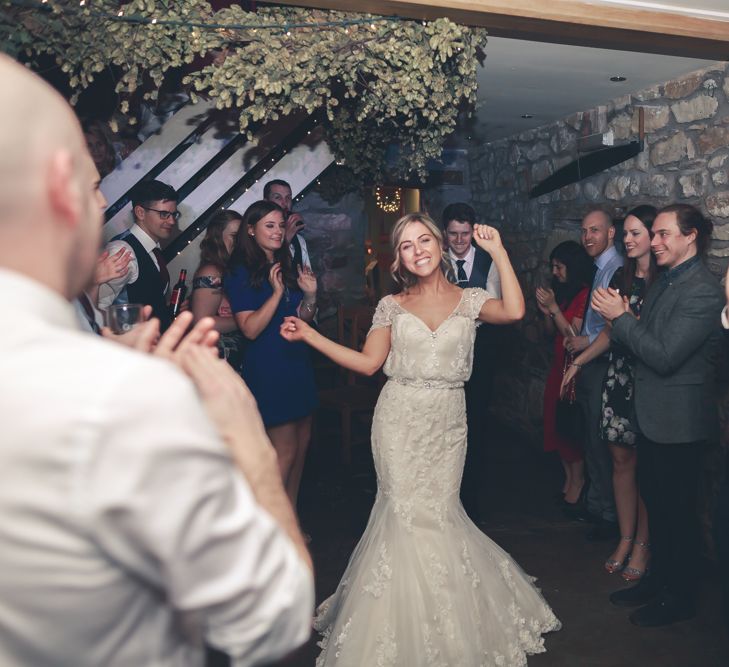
(580, 271)
(248, 253)
(212, 248)
(646, 214)
(690, 219)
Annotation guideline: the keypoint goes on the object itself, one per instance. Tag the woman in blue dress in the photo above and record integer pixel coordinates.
(263, 289)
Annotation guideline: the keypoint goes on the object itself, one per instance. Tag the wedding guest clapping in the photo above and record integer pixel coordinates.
(675, 406)
(598, 233)
(108, 267)
(616, 428)
(263, 289)
(563, 307)
(126, 508)
(208, 298)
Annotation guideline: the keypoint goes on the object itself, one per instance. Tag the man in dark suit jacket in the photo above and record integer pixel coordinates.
(675, 406)
(473, 267)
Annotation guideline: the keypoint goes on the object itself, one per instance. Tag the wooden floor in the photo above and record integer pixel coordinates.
(519, 514)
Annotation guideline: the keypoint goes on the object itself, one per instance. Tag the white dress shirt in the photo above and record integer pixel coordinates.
(82, 317)
(305, 259)
(493, 280)
(108, 292)
(127, 535)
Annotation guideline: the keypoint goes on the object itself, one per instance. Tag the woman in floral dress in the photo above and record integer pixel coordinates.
(616, 429)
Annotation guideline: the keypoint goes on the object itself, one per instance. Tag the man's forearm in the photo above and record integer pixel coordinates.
(264, 478)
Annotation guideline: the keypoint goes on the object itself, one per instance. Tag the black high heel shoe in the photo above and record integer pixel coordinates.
(578, 511)
(558, 497)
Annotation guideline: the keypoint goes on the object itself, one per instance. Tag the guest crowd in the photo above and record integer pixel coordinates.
(629, 406)
(638, 358)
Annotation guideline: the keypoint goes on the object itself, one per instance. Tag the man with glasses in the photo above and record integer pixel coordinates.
(154, 207)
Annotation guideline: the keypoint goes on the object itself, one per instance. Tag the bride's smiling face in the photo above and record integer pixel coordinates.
(420, 252)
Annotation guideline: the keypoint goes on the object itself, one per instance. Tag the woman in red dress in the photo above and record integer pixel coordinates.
(563, 307)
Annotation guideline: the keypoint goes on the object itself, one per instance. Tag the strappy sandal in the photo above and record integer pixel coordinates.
(613, 566)
(633, 574)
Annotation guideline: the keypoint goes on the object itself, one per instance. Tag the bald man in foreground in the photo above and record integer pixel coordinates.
(142, 509)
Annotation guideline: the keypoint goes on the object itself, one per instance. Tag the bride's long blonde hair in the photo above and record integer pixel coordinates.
(402, 277)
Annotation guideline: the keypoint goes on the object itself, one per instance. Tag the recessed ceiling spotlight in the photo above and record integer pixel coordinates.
(618, 79)
(527, 115)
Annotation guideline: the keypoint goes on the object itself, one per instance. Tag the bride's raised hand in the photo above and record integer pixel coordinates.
(294, 329)
(487, 238)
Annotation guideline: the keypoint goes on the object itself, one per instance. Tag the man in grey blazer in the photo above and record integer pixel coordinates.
(675, 406)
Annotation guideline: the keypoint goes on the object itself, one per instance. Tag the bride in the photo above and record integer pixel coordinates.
(424, 585)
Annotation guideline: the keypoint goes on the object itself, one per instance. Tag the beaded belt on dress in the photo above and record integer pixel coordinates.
(428, 384)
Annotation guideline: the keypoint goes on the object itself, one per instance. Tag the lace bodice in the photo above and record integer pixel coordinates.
(420, 355)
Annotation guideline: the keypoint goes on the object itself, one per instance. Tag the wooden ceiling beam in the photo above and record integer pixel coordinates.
(564, 22)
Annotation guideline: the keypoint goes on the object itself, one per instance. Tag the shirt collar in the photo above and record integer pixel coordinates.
(26, 295)
(469, 255)
(148, 243)
(602, 260)
(671, 275)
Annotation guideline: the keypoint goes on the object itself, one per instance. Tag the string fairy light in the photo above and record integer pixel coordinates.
(388, 204)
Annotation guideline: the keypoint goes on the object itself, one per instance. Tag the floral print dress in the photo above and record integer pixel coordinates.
(617, 388)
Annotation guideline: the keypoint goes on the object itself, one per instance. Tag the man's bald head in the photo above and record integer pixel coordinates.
(598, 232)
(50, 208)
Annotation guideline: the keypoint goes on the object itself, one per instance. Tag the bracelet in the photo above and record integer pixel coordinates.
(309, 305)
(552, 315)
(576, 365)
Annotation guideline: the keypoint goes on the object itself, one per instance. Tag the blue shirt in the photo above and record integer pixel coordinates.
(607, 263)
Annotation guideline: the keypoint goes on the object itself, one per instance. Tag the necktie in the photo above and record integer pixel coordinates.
(461, 272)
(89, 310)
(164, 274)
(298, 257)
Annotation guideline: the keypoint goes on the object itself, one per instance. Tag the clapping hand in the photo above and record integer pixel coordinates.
(487, 238)
(609, 303)
(145, 336)
(113, 266)
(306, 281)
(545, 300)
(275, 277)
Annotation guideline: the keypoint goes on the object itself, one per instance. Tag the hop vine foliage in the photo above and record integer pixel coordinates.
(376, 81)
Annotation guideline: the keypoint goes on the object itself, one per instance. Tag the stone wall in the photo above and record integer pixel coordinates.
(335, 237)
(686, 159)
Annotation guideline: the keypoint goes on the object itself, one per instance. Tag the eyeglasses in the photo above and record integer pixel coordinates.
(165, 215)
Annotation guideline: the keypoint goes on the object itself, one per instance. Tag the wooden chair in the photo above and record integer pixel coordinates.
(356, 396)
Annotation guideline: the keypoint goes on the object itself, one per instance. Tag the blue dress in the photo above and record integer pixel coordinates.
(278, 373)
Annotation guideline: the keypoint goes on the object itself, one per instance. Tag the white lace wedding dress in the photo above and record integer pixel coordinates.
(424, 586)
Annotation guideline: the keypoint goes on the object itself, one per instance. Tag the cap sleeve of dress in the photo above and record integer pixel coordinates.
(383, 313)
(475, 299)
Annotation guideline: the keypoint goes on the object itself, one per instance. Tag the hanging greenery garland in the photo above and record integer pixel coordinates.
(379, 81)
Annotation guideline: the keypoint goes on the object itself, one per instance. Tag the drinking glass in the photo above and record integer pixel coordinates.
(123, 317)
